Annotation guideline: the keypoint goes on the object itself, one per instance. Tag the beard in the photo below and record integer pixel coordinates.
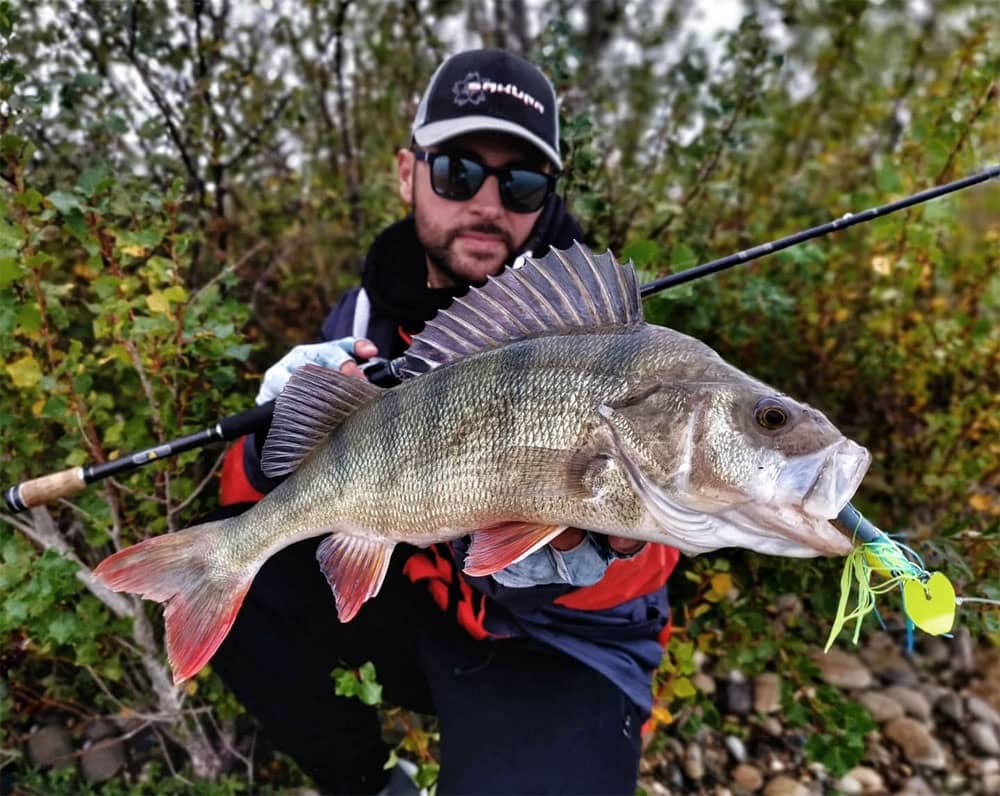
(439, 245)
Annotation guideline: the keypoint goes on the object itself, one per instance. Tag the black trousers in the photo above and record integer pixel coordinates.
(515, 717)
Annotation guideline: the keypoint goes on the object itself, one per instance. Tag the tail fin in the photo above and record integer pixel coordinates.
(201, 602)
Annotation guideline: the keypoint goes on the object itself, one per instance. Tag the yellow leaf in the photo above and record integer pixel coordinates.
(134, 251)
(721, 584)
(981, 502)
(25, 372)
(841, 314)
(881, 265)
(661, 715)
(158, 302)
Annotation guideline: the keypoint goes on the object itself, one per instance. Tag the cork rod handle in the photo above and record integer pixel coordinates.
(39, 491)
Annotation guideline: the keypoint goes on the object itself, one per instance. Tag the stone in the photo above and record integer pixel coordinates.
(705, 683)
(772, 727)
(915, 786)
(747, 777)
(737, 697)
(882, 707)
(840, 669)
(983, 710)
(911, 700)
(862, 779)
(694, 765)
(917, 743)
(949, 705)
(991, 782)
(102, 759)
(767, 693)
(789, 606)
(51, 746)
(785, 786)
(736, 748)
(884, 657)
(963, 658)
(933, 650)
(983, 737)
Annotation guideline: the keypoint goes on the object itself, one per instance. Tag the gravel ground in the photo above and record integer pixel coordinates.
(937, 711)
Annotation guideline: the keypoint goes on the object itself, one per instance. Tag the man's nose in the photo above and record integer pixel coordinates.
(487, 202)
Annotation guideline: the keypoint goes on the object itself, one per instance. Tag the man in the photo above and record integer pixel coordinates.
(540, 674)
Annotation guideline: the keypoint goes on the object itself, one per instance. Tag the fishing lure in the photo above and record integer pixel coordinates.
(929, 600)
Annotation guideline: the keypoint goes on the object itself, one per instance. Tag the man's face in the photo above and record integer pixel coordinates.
(470, 240)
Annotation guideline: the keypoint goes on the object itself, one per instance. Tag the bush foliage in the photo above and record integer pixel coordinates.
(187, 187)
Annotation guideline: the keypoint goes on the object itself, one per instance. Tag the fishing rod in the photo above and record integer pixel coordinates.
(386, 373)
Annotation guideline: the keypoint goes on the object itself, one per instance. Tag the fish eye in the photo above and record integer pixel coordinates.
(770, 414)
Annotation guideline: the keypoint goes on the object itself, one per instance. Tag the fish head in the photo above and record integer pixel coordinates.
(729, 462)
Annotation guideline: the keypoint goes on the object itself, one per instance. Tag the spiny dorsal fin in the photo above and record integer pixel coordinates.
(314, 402)
(566, 290)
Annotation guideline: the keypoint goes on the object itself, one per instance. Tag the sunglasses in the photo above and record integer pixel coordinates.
(459, 178)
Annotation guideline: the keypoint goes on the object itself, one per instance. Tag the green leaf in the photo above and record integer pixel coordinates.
(642, 252)
(345, 682)
(93, 181)
(65, 202)
(681, 257)
(10, 271)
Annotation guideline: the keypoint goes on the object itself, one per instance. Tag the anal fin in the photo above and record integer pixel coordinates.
(499, 546)
(355, 568)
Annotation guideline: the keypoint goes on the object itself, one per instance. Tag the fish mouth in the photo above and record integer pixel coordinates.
(823, 482)
(794, 523)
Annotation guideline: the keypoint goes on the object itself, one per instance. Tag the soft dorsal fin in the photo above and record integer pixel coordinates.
(314, 402)
(566, 290)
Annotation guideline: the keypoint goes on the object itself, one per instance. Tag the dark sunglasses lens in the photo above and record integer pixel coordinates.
(456, 178)
(525, 191)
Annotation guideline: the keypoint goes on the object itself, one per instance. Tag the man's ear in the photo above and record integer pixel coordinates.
(405, 166)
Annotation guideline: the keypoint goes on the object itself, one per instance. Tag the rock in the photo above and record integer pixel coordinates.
(789, 606)
(785, 786)
(704, 683)
(878, 755)
(842, 670)
(933, 650)
(991, 783)
(748, 777)
(983, 737)
(882, 707)
(884, 657)
(949, 705)
(915, 786)
(694, 765)
(51, 746)
(963, 658)
(862, 779)
(915, 739)
(737, 698)
(772, 727)
(983, 710)
(102, 761)
(912, 701)
(956, 782)
(736, 748)
(767, 693)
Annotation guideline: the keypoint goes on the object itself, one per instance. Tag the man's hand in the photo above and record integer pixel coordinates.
(335, 354)
(572, 537)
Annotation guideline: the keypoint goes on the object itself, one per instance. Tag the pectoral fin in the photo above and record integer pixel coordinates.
(355, 568)
(499, 546)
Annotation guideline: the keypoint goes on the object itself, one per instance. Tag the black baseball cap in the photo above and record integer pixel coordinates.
(489, 90)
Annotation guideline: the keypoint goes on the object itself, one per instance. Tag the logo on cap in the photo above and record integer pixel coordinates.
(473, 90)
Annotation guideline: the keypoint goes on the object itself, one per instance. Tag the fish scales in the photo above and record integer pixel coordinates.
(602, 422)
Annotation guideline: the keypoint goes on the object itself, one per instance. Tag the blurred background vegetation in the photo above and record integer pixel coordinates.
(188, 186)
